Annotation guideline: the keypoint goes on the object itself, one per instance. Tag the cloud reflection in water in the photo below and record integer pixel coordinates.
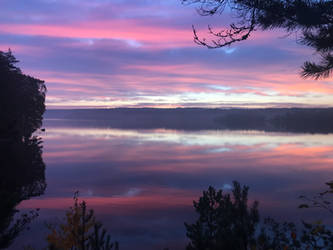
(142, 182)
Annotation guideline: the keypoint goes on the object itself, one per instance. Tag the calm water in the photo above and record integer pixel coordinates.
(141, 183)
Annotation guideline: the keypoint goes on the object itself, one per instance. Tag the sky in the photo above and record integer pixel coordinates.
(126, 53)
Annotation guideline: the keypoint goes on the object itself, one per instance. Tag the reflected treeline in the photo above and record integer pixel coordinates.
(22, 174)
(296, 120)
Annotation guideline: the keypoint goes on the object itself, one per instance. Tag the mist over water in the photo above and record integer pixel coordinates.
(141, 182)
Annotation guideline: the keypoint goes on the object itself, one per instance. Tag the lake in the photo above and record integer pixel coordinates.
(141, 182)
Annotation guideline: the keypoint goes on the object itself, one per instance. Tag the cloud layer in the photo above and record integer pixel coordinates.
(106, 53)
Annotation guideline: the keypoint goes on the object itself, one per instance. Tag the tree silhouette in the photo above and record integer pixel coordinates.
(22, 173)
(22, 100)
(80, 231)
(313, 19)
(225, 221)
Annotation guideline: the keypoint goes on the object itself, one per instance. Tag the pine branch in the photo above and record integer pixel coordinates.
(324, 69)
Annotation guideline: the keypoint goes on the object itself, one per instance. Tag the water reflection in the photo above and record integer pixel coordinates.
(21, 177)
(142, 182)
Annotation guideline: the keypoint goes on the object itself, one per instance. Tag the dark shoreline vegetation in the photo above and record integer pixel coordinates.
(22, 176)
(295, 120)
(225, 220)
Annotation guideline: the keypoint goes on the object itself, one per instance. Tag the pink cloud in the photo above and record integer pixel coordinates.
(128, 30)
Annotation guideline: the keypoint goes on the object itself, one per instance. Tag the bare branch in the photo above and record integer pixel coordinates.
(314, 19)
(225, 37)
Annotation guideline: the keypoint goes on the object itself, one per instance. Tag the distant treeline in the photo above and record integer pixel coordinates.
(309, 120)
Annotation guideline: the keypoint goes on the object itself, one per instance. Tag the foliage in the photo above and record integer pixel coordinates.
(9, 231)
(277, 236)
(313, 19)
(81, 231)
(320, 200)
(281, 236)
(22, 100)
(22, 176)
(225, 221)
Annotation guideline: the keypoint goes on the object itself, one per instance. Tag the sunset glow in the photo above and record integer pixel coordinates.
(141, 54)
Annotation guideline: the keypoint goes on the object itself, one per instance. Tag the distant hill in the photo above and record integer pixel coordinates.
(303, 120)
